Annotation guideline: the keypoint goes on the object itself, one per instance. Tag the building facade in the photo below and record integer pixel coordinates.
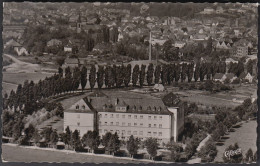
(140, 117)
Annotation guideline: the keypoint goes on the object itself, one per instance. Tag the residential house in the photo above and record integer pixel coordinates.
(240, 48)
(246, 77)
(222, 77)
(179, 44)
(219, 77)
(219, 10)
(17, 47)
(208, 10)
(230, 76)
(68, 48)
(54, 42)
(223, 45)
(229, 60)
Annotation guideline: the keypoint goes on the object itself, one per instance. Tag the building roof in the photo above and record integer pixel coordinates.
(230, 76)
(218, 75)
(13, 43)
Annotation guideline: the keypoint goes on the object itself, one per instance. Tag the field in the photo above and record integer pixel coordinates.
(21, 154)
(11, 80)
(245, 136)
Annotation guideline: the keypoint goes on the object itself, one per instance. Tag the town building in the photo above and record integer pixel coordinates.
(54, 42)
(140, 116)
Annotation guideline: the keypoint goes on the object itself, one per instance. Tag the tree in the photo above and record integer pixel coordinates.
(151, 146)
(202, 71)
(83, 77)
(209, 151)
(91, 139)
(135, 75)
(105, 139)
(175, 149)
(114, 35)
(60, 61)
(249, 156)
(127, 77)
(36, 136)
(164, 74)
(60, 70)
(183, 72)
(109, 77)
(92, 77)
(150, 74)
(54, 137)
(177, 72)
(132, 145)
(29, 131)
(47, 134)
(60, 110)
(197, 72)
(105, 31)
(209, 46)
(119, 75)
(157, 74)
(100, 76)
(76, 78)
(113, 144)
(249, 66)
(17, 129)
(67, 137)
(240, 68)
(76, 143)
(142, 75)
(190, 72)
(229, 157)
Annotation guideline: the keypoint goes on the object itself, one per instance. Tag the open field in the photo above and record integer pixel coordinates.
(19, 78)
(245, 136)
(21, 154)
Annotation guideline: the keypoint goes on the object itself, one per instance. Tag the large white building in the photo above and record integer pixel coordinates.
(139, 116)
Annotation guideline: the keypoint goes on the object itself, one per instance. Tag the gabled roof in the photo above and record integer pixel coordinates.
(13, 43)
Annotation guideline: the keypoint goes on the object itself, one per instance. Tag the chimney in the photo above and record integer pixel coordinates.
(150, 47)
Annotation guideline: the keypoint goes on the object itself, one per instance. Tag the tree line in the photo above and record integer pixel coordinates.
(29, 95)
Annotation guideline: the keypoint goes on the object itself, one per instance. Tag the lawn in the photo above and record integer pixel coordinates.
(21, 154)
(245, 136)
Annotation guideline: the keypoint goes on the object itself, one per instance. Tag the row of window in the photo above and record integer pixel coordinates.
(82, 107)
(130, 116)
(123, 132)
(129, 124)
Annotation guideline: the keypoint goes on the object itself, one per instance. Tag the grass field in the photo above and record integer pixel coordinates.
(11, 80)
(21, 154)
(245, 136)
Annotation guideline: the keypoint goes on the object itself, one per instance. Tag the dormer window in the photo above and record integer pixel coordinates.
(83, 107)
(77, 107)
(148, 108)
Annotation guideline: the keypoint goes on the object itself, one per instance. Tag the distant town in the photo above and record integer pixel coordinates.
(130, 82)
